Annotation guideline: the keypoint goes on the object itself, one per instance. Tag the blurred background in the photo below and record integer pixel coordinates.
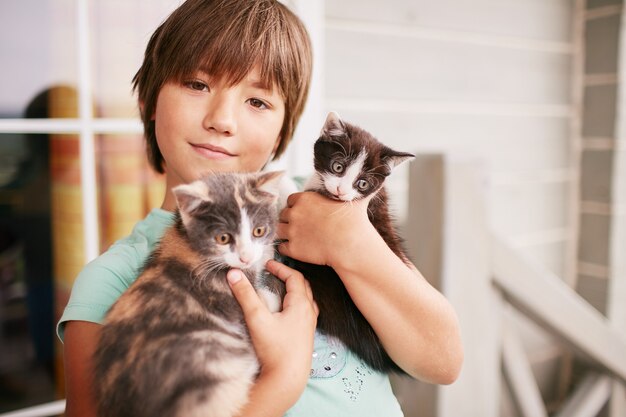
(515, 207)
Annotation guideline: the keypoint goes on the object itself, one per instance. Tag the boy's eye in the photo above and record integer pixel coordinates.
(196, 85)
(259, 231)
(259, 104)
(223, 239)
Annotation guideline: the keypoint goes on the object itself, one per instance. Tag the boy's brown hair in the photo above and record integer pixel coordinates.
(227, 38)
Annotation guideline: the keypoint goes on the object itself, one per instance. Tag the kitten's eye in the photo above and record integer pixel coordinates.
(337, 167)
(362, 185)
(223, 239)
(259, 231)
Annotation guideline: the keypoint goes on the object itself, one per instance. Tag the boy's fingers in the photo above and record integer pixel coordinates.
(294, 281)
(295, 284)
(283, 216)
(281, 230)
(291, 200)
(244, 293)
(285, 250)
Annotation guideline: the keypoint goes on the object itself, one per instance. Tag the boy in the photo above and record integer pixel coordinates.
(221, 88)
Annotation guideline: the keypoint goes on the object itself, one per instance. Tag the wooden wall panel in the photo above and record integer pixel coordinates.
(482, 80)
(543, 20)
(378, 65)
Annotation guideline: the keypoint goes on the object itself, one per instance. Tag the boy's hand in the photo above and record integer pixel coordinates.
(283, 341)
(319, 230)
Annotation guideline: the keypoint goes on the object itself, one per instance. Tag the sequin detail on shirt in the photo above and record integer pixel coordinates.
(354, 385)
(329, 356)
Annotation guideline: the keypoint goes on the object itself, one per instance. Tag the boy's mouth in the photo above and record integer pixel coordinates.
(211, 151)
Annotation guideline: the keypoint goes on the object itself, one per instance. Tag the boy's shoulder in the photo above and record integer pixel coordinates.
(127, 255)
(102, 281)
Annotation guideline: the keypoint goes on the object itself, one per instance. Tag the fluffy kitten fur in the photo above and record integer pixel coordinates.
(350, 164)
(175, 343)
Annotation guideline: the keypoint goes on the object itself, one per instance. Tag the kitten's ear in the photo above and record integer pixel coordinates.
(269, 182)
(333, 126)
(190, 196)
(394, 158)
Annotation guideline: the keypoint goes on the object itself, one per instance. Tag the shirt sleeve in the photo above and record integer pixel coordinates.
(97, 287)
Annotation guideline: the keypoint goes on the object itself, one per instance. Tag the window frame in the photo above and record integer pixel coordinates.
(86, 126)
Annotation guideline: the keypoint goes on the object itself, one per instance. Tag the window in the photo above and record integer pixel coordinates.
(73, 175)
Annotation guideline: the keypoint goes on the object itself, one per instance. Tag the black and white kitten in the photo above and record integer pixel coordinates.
(350, 164)
(175, 343)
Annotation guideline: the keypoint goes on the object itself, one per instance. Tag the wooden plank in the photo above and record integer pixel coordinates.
(423, 237)
(617, 290)
(520, 209)
(519, 375)
(551, 255)
(548, 20)
(506, 143)
(589, 398)
(424, 230)
(44, 410)
(465, 281)
(425, 70)
(544, 298)
(617, 406)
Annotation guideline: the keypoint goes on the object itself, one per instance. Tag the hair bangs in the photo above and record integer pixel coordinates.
(229, 48)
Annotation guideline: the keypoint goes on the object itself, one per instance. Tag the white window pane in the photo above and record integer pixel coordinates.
(38, 50)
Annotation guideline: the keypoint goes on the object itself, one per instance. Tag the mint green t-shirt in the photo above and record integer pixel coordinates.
(340, 385)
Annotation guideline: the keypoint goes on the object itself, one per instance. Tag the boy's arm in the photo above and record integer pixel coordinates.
(415, 323)
(283, 342)
(266, 396)
(81, 338)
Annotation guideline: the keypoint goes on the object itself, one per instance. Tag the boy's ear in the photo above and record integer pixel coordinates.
(142, 107)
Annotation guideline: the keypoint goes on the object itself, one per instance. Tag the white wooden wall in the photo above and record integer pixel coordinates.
(485, 79)
(478, 78)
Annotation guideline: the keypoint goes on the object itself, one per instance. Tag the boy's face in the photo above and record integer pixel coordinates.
(205, 126)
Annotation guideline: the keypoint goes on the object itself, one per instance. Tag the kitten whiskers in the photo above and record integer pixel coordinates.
(205, 269)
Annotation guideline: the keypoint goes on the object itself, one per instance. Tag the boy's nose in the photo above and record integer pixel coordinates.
(221, 115)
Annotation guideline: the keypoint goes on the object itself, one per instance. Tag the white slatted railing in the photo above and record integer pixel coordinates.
(54, 408)
(489, 282)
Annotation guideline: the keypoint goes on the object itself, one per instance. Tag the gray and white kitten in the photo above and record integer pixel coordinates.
(175, 343)
(350, 164)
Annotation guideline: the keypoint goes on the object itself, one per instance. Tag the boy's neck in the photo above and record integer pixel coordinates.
(169, 201)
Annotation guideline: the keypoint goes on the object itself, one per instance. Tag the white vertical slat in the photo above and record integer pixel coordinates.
(575, 148)
(466, 282)
(589, 398)
(616, 308)
(426, 204)
(87, 148)
(519, 375)
(617, 406)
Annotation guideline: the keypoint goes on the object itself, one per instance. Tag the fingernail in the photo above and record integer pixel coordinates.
(233, 276)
